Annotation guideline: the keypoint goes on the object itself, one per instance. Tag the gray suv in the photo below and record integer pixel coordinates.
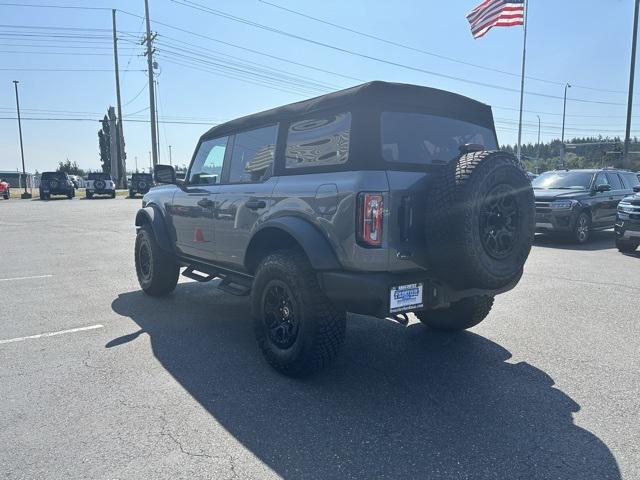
(382, 199)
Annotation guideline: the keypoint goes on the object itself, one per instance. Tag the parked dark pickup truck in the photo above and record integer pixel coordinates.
(577, 202)
(628, 223)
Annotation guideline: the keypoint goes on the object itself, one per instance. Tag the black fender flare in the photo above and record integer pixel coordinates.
(154, 217)
(315, 245)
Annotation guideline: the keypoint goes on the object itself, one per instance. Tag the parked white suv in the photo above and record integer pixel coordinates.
(100, 184)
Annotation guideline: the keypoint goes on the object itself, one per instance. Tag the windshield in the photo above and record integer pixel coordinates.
(429, 139)
(564, 180)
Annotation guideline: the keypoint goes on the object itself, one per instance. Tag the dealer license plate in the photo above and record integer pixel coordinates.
(406, 297)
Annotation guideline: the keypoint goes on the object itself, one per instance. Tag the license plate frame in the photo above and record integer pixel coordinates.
(407, 297)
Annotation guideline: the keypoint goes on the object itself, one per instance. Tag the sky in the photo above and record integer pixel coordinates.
(236, 57)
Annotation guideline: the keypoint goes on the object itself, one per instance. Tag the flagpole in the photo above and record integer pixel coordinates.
(524, 57)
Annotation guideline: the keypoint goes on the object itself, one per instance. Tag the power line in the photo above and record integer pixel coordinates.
(203, 8)
(246, 49)
(426, 52)
(175, 122)
(64, 70)
(52, 6)
(144, 87)
(249, 68)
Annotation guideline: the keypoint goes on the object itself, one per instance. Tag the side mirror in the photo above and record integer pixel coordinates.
(636, 189)
(164, 174)
(603, 187)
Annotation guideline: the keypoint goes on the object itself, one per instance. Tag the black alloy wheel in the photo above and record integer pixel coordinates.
(280, 314)
(499, 221)
(144, 260)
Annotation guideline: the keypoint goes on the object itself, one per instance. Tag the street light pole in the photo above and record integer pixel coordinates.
(538, 155)
(24, 172)
(564, 114)
(627, 137)
(170, 161)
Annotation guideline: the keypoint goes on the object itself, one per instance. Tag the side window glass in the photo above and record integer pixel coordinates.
(614, 180)
(318, 141)
(630, 180)
(253, 154)
(207, 166)
(601, 179)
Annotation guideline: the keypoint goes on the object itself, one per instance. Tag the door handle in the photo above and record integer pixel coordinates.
(205, 203)
(255, 204)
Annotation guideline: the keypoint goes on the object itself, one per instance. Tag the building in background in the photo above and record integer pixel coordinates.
(17, 180)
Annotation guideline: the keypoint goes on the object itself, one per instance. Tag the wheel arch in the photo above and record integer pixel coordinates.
(287, 232)
(152, 216)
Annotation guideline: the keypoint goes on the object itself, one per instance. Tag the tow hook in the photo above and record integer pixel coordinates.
(401, 318)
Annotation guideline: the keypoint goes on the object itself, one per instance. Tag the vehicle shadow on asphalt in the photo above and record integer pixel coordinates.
(400, 402)
(604, 240)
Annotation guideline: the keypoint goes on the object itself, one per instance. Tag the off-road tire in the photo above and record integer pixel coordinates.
(160, 277)
(113, 194)
(320, 325)
(131, 194)
(7, 194)
(70, 195)
(461, 315)
(578, 234)
(89, 195)
(456, 247)
(626, 246)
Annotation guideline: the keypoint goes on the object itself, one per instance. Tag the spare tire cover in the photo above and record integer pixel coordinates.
(480, 220)
(99, 184)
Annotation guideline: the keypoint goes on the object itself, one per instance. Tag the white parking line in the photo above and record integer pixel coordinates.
(24, 278)
(51, 334)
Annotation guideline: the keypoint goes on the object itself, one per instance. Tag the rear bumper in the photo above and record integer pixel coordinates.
(369, 293)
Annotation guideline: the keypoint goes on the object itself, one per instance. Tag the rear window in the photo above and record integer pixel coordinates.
(319, 141)
(99, 176)
(429, 139)
(630, 179)
(49, 175)
(614, 181)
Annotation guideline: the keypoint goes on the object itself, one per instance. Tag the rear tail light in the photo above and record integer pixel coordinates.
(369, 219)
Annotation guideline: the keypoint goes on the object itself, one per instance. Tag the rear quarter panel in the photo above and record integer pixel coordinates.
(328, 201)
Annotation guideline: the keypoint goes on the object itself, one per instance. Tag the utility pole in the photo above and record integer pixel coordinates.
(157, 123)
(24, 172)
(170, 160)
(136, 160)
(150, 163)
(538, 156)
(121, 172)
(152, 103)
(626, 163)
(564, 114)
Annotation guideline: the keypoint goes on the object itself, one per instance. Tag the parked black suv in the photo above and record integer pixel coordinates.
(381, 199)
(56, 183)
(140, 183)
(628, 223)
(577, 202)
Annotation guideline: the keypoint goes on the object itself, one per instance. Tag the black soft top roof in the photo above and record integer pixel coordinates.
(368, 96)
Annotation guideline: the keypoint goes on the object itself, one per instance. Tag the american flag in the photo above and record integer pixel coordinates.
(495, 13)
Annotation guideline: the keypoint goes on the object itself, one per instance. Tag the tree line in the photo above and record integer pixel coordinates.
(586, 152)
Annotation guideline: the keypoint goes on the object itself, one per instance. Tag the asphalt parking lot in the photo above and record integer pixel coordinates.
(548, 387)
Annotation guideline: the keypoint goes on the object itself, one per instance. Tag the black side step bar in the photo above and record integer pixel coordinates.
(190, 273)
(233, 283)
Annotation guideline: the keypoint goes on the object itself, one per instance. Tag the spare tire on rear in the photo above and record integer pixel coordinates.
(480, 220)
